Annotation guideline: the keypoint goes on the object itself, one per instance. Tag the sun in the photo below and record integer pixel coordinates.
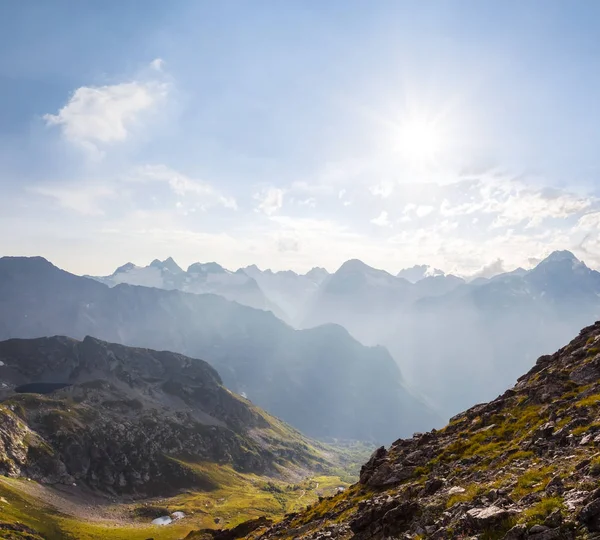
(420, 141)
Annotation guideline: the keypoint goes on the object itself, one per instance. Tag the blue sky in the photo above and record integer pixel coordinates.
(293, 134)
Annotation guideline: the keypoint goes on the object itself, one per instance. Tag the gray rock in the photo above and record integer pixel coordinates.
(485, 517)
(590, 515)
(516, 533)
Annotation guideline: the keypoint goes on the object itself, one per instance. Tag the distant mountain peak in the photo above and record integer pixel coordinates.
(317, 273)
(418, 272)
(168, 264)
(206, 268)
(354, 265)
(124, 268)
(560, 255)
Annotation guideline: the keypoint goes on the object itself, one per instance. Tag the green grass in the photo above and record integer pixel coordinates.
(588, 401)
(236, 497)
(533, 480)
(541, 510)
(468, 495)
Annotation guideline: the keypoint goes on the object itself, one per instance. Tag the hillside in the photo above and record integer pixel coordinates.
(322, 381)
(127, 420)
(98, 439)
(523, 466)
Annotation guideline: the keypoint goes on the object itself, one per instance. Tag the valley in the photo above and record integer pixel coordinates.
(299, 270)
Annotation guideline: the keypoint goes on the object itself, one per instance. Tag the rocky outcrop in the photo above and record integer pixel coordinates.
(524, 466)
(129, 420)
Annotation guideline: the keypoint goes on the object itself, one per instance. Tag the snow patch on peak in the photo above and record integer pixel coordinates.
(418, 272)
(168, 264)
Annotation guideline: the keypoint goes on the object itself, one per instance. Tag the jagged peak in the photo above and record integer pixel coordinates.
(168, 264)
(560, 255)
(124, 268)
(418, 272)
(206, 268)
(317, 270)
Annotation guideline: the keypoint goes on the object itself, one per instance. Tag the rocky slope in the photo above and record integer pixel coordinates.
(130, 421)
(523, 466)
(322, 381)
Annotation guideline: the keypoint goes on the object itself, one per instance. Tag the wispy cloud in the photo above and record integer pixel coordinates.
(183, 186)
(382, 220)
(270, 200)
(80, 198)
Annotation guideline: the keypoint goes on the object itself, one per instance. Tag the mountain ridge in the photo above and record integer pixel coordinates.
(524, 466)
(124, 419)
(320, 380)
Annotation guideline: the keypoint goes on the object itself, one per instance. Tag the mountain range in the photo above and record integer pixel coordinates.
(200, 278)
(524, 466)
(443, 331)
(460, 342)
(320, 380)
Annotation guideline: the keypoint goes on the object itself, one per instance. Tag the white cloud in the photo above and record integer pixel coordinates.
(157, 64)
(490, 270)
(511, 202)
(533, 207)
(81, 198)
(423, 210)
(131, 192)
(270, 200)
(383, 189)
(98, 116)
(382, 220)
(311, 202)
(589, 221)
(184, 186)
(420, 210)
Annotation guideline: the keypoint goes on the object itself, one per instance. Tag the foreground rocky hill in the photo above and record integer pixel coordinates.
(523, 466)
(131, 421)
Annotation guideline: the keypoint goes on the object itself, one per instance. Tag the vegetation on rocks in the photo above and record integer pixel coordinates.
(524, 466)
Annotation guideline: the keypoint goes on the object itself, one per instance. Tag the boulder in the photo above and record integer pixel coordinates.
(488, 516)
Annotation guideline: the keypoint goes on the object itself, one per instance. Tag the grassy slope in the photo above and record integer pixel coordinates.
(472, 446)
(237, 498)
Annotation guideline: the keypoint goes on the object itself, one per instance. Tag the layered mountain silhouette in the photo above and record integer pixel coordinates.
(290, 291)
(456, 342)
(200, 278)
(320, 380)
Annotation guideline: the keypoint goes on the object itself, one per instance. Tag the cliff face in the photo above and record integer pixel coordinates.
(523, 466)
(129, 420)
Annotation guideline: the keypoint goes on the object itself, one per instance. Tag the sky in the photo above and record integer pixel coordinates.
(460, 134)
